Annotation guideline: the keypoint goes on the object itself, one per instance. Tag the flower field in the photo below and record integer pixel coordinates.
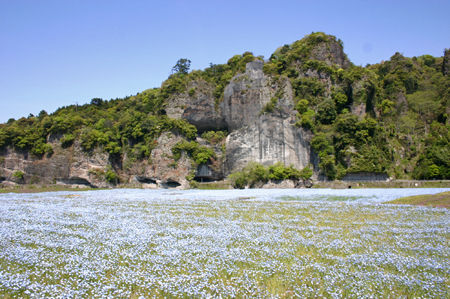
(222, 244)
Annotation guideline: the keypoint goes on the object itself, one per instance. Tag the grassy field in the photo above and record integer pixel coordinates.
(122, 245)
(38, 189)
(440, 200)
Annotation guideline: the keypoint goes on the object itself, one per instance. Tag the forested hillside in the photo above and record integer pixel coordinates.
(391, 117)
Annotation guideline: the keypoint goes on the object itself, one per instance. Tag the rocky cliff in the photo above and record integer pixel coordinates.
(358, 120)
(264, 137)
(75, 167)
(255, 136)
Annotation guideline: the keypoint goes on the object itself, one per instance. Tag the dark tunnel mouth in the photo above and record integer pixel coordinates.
(145, 180)
(201, 179)
(75, 181)
(170, 184)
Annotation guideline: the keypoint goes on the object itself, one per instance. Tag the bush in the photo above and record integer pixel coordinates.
(326, 112)
(302, 106)
(254, 172)
(41, 148)
(270, 106)
(200, 154)
(67, 140)
(113, 148)
(306, 173)
(111, 176)
(19, 175)
(215, 137)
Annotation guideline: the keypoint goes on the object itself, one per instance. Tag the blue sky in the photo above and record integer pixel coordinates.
(56, 53)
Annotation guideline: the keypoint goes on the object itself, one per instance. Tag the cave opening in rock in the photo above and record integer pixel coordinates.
(145, 180)
(170, 185)
(75, 181)
(203, 179)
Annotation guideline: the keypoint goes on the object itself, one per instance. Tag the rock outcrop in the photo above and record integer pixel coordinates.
(446, 63)
(258, 136)
(264, 137)
(331, 53)
(75, 167)
(257, 133)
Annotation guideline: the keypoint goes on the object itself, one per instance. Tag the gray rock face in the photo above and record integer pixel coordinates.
(255, 136)
(245, 96)
(330, 53)
(161, 170)
(262, 137)
(202, 114)
(65, 167)
(402, 103)
(74, 167)
(273, 139)
(198, 109)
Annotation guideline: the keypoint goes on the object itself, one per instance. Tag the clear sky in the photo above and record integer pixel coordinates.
(56, 53)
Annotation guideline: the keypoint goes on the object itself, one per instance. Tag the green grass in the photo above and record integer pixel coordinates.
(320, 198)
(441, 200)
(220, 185)
(34, 189)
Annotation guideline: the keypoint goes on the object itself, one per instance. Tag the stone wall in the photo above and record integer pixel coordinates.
(365, 177)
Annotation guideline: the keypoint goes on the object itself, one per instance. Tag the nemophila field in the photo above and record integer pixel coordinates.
(202, 244)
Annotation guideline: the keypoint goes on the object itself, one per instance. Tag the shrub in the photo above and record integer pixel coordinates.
(41, 148)
(302, 106)
(214, 137)
(200, 154)
(113, 148)
(254, 172)
(67, 140)
(326, 112)
(270, 106)
(18, 174)
(111, 176)
(306, 173)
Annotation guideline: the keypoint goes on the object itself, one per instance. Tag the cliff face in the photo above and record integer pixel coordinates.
(269, 109)
(255, 136)
(74, 167)
(263, 137)
(198, 109)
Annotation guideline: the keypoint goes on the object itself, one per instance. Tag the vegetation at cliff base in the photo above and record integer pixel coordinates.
(254, 173)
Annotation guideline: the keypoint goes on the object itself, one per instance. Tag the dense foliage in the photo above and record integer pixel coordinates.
(404, 105)
(254, 172)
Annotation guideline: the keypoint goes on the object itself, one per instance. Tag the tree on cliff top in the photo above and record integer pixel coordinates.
(182, 67)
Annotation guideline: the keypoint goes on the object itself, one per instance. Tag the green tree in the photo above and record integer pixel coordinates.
(302, 106)
(182, 67)
(326, 112)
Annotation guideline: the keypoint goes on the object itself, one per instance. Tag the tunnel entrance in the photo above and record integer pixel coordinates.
(145, 180)
(203, 179)
(75, 181)
(170, 185)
